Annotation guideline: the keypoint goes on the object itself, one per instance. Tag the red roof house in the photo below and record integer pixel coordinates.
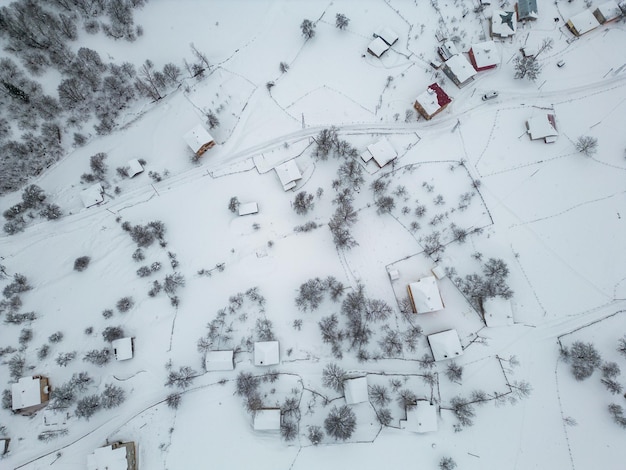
(432, 101)
(484, 56)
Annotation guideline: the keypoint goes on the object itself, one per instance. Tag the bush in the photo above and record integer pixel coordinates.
(173, 400)
(125, 304)
(308, 29)
(80, 264)
(447, 463)
(584, 359)
(98, 357)
(51, 212)
(107, 313)
(315, 435)
(138, 255)
(56, 337)
(289, 430)
(20, 284)
(17, 364)
(80, 381)
(87, 406)
(111, 333)
(43, 352)
(340, 422)
(63, 359)
(113, 396)
(144, 271)
(454, 372)
(341, 21)
(7, 399)
(233, 204)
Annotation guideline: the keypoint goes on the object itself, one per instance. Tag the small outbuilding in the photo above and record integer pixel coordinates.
(377, 47)
(432, 101)
(447, 50)
(219, 360)
(503, 24)
(30, 394)
(527, 10)
(388, 35)
(123, 348)
(459, 70)
(497, 311)
(134, 167)
(607, 12)
(425, 296)
(382, 152)
(266, 353)
(248, 208)
(355, 390)
(484, 56)
(582, 23)
(445, 345)
(421, 418)
(267, 419)
(288, 173)
(542, 126)
(117, 456)
(93, 195)
(199, 140)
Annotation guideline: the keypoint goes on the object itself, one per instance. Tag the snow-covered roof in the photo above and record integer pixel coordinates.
(421, 418)
(108, 458)
(448, 49)
(608, 11)
(197, 137)
(123, 348)
(266, 353)
(92, 195)
(26, 393)
(378, 47)
(425, 295)
(288, 173)
(445, 345)
(461, 68)
(433, 99)
(355, 390)
(498, 312)
(387, 34)
(248, 208)
(134, 167)
(382, 151)
(219, 360)
(542, 126)
(527, 9)
(485, 54)
(267, 419)
(503, 23)
(583, 22)
(438, 271)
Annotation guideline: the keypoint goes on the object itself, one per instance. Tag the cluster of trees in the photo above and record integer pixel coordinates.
(308, 27)
(33, 204)
(492, 283)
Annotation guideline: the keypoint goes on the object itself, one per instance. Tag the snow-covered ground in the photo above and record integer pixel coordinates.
(555, 216)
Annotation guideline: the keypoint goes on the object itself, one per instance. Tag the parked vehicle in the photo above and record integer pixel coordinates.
(560, 63)
(489, 96)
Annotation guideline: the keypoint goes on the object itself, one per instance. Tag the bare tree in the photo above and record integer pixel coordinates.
(308, 29)
(587, 145)
(526, 67)
(341, 21)
(340, 422)
(333, 377)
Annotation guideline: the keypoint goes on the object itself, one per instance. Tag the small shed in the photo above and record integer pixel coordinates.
(93, 195)
(431, 101)
(421, 418)
(355, 390)
(447, 50)
(377, 47)
(267, 419)
(527, 10)
(248, 208)
(387, 34)
(266, 353)
(503, 24)
(459, 70)
(219, 360)
(445, 345)
(134, 167)
(199, 140)
(582, 23)
(438, 271)
(30, 394)
(117, 456)
(425, 296)
(498, 312)
(484, 56)
(288, 173)
(382, 152)
(607, 11)
(123, 348)
(542, 126)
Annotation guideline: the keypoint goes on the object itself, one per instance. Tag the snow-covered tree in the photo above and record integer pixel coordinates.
(341, 21)
(526, 67)
(303, 203)
(333, 377)
(308, 29)
(340, 422)
(587, 145)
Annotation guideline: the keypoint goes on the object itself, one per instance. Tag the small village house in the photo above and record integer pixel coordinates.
(30, 394)
(445, 345)
(607, 12)
(382, 152)
(288, 173)
(134, 167)
(421, 417)
(93, 195)
(117, 456)
(388, 35)
(248, 208)
(266, 353)
(497, 311)
(425, 296)
(377, 47)
(582, 23)
(355, 390)
(123, 348)
(542, 126)
(199, 140)
(527, 10)
(432, 101)
(219, 360)
(484, 56)
(459, 70)
(503, 24)
(267, 419)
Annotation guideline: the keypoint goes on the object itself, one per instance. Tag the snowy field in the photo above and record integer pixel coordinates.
(466, 187)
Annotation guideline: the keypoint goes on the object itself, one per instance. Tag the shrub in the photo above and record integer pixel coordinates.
(144, 271)
(62, 396)
(17, 364)
(51, 212)
(111, 333)
(43, 352)
(63, 359)
(87, 406)
(98, 357)
(173, 400)
(138, 255)
(315, 435)
(112, 396)
(56, 337)
(80, 381)
(107, 313)
(125, 304)
(80, 264)
(20, 284)
(289, 430)
(454, 372)
(447, 463)
(233, 204)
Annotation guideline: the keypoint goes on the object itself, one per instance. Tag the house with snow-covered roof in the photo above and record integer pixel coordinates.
(219, 360)
(421, 417)
(267, 419)
(123, 348)
(425, 296)
(542, 126)
(387, 34)
(288, 173)
(377, 47)
(117, 456)
(432, 101)
(199, 140)
(134, 167)
(497, 311)
(445, 345)
(484, 56)
(30, 394)
(447, 50)
(93, 195)
(582, 23)
(382, 152)
(503, 24)
(527, 10)
(607, 11)
(248, 208)
(266, 353)
(355, 390)
(458, 69)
